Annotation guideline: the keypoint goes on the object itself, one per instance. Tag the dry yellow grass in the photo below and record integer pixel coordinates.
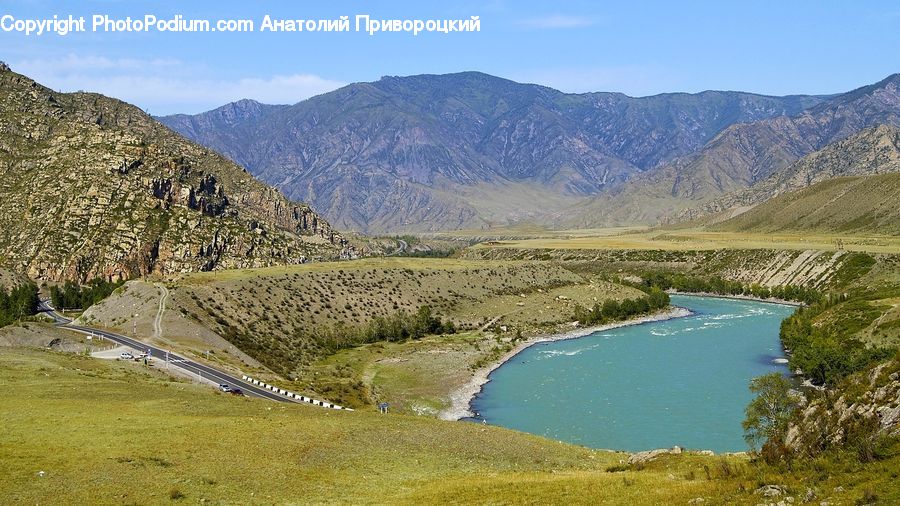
(382, 263)
(702, 240)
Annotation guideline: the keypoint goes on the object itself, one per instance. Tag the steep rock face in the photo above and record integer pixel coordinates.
(869, 406)
(92, 186)
(869, 152)
(742, 156)
(770, 268)
(434, 152)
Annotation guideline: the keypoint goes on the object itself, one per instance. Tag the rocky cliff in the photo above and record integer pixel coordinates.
(865, 408)
(93, 186)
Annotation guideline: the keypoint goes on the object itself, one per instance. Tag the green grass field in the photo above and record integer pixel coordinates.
(414, 377)
(111, 433)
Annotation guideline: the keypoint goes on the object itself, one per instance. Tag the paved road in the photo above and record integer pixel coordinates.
(159, 355)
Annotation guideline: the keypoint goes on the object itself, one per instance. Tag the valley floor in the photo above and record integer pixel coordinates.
(79, 430)
(687, 239)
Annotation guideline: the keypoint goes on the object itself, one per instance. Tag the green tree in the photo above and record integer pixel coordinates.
(658, 299)
(611, 309)
(18, 303)
(768, 414)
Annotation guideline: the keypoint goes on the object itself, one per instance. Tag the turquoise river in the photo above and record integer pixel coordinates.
(676, 382)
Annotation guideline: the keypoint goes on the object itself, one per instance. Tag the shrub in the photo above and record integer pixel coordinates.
(768, 414)
(613, 310)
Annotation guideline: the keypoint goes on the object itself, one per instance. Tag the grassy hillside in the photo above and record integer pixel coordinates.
(9, 278)
(83, 431)
(275, 317)
(871, 151)
(855, 205)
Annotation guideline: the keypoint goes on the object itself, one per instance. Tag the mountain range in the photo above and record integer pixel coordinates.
(94, 187)
(872, 151)
(470, 150)
(742, 156)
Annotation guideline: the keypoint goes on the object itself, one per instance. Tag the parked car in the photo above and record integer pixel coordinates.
(225, 388)
(126, 356)
(236, 391)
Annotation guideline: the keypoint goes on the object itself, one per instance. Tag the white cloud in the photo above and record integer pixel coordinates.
(167, 86)
(557, 21)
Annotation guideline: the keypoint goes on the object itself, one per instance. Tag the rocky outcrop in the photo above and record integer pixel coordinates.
(649, 455)
(94, 187)
(867, 407)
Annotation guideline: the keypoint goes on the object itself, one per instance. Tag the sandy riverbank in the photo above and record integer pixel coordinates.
(461, 398)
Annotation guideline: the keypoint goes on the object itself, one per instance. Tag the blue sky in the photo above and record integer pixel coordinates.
(638, 48)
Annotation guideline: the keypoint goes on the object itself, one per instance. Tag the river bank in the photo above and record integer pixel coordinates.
(771, 300)
(461, 398)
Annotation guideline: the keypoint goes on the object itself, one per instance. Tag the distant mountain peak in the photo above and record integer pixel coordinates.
(246, 102)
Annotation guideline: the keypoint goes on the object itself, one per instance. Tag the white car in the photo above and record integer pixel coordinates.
(126, 356)
(225, 388)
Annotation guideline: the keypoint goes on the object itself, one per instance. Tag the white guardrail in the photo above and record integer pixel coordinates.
(292, 395)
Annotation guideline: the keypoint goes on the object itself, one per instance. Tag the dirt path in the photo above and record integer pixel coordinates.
(488, 324)
(157, 322)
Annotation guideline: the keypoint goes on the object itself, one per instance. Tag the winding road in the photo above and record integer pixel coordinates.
(163, 356)
(402, 247)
